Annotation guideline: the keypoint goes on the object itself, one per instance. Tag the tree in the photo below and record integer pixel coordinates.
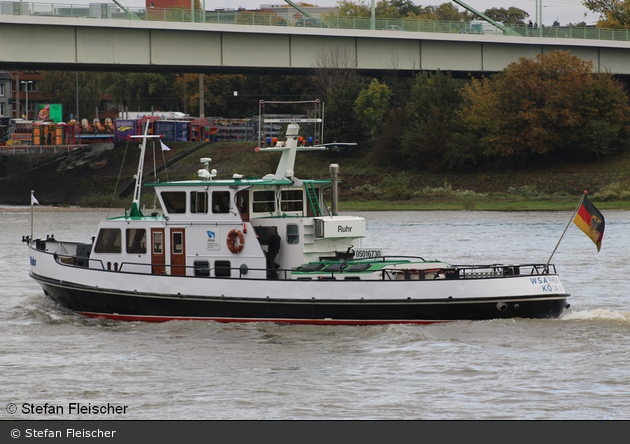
(342, 123)
(372, 104)
(400, 9)
(336, 82)
(605, 108)
(384, 8)
(432, 119)
(61, 87)
(553, 104)
(510, 16)
(396, 9)
(333, 69)
(404, 7)
(143, 91)
(218, 95)
(387, 149)
(613, 13)
(448, 12)
(281, 88)
(352, 8)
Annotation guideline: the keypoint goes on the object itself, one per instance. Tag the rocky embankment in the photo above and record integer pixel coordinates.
(57, 179)
(71, 178)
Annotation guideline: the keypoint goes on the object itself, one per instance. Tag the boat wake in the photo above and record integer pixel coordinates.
(47, 311)
(599, 314)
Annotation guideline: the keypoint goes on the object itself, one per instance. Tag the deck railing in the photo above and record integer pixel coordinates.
(202, 269)
(243, 17)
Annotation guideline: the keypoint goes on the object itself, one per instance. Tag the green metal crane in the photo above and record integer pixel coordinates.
(506, 30)
(299, 8)
(131, 15)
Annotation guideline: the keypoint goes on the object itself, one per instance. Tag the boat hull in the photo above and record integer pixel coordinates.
(156, 307)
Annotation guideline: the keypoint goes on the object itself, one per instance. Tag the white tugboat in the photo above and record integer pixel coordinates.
(207, 254)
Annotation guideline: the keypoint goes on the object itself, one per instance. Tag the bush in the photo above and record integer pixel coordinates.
(615, 191)
(396, 188)
(525, 190)
(447, 190)
(469, 205)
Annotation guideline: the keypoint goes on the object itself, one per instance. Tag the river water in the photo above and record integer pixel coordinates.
(574, 367)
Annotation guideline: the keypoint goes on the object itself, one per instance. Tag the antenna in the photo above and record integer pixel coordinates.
(264, 119)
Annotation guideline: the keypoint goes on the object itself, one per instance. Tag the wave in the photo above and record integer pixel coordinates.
(599, 314)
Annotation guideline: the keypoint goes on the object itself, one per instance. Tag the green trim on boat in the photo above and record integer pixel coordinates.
(217, 183)
(135, 211)
(356, 266)
(220, 183)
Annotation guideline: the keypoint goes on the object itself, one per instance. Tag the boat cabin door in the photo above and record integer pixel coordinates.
(178, 252)
(157, 251)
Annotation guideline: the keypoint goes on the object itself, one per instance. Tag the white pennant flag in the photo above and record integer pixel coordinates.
(33, 200)
(164, 147)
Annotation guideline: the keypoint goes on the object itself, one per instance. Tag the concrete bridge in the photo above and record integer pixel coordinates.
(78, 44)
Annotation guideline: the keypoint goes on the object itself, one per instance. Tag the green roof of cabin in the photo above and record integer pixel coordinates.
(230, 182)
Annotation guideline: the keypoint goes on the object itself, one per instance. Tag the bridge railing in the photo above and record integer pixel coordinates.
(261, 18)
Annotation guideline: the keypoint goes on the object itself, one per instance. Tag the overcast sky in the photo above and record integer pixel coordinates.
(565, 11)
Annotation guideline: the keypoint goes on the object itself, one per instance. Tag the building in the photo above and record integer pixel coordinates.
(6, 94)
(18, 93)
(166, 4)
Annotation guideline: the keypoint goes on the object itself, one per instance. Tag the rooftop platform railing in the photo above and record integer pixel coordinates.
(106, 11)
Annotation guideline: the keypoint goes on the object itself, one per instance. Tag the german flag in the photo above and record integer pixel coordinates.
(590, 221)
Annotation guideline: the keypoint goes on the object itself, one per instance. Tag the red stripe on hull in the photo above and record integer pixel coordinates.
(134, 318)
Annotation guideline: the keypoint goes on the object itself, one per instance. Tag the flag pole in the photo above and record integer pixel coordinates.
(32, 197)
(565, 230)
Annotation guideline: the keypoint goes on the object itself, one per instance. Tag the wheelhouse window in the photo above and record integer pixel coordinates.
(175, 201)
(264, 201)
(136, 241)
(291, 200)
(293, 234)
(220, 201)
(109, 241)
(199, 202)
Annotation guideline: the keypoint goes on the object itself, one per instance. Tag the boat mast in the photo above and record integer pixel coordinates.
(286, 165)
(135, 205)
(285, 169)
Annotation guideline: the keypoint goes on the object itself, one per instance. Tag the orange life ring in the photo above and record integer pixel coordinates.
(235, 241)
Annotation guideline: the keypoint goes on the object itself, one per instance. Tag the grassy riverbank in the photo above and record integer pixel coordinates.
(94, 178)
(496, 203)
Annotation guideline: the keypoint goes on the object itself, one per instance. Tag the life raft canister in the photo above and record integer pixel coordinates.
(235, 241)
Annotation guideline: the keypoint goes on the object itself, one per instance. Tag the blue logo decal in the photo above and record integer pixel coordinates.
(33, 261)
(211, 234)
